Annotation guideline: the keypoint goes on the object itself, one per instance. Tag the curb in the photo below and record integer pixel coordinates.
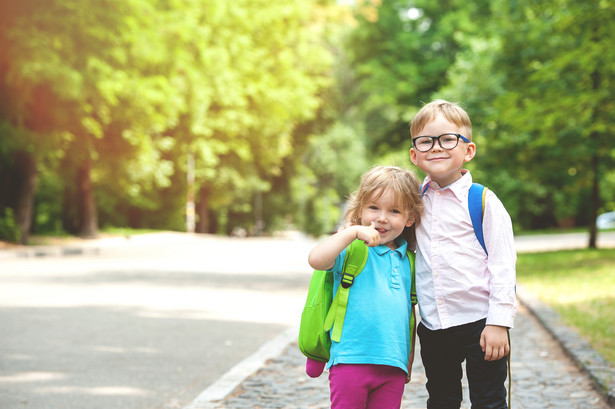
(221, 389)
(49, 251)
(584, 356)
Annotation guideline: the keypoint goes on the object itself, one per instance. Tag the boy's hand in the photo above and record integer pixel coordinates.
(368, 234)
(494, 342)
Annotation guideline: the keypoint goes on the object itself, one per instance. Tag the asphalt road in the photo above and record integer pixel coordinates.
(144, 326)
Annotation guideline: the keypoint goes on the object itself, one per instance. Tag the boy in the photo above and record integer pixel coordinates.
(466, 295)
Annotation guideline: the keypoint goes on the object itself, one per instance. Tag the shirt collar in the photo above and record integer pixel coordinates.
(401, 242)
(459, 188)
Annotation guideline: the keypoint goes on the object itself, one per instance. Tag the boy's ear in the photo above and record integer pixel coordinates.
(412, 156)
(410, 221)
(470, 152)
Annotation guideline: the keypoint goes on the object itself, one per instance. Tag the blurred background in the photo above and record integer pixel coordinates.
(245, 117)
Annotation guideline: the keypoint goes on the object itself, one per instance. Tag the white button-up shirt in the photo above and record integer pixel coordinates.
(456, 282)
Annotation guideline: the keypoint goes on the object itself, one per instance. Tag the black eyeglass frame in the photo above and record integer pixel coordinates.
(434, 138)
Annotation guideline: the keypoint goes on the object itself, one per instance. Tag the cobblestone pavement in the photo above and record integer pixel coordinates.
(543, 377)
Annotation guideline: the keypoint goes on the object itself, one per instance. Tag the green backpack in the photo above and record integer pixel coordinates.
(322, 318)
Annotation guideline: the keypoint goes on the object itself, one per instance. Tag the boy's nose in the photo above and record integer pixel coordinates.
(436, 146)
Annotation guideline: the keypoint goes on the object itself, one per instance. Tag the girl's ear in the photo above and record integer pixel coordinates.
(410, 221)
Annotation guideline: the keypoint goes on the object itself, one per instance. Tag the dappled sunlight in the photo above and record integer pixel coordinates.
(259, 305)
(125, 350)
(245, 306)
(559, 293)
(97, 390)
(26, 377)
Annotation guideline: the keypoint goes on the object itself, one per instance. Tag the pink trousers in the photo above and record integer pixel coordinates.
(366, 386)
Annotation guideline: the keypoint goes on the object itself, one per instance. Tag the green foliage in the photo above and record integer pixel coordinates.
(8, 229)
(536, 85)
(230, 82)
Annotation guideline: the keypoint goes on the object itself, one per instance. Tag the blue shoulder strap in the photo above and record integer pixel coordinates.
(476, 205)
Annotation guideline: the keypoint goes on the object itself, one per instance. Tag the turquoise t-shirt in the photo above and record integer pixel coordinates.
(377, 324)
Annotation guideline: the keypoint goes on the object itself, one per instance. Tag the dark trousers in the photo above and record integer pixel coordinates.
(443, 352)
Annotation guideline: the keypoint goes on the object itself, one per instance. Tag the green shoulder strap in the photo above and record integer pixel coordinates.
(356, 257)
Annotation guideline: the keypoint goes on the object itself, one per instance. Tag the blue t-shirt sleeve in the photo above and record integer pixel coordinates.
(339, 262)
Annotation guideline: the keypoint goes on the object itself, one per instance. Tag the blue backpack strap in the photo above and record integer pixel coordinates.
(476, 205)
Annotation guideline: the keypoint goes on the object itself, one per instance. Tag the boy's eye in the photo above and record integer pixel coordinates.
(395, 211)
(448, 139)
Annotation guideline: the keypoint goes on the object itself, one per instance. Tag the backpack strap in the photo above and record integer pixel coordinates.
(413, 299)
(476, 205)
(354, 262)
(411, 258)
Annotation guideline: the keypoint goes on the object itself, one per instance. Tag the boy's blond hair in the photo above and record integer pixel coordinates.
(451, 111)
(406, 191)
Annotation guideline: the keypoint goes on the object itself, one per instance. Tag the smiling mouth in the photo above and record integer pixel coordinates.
(381, 230)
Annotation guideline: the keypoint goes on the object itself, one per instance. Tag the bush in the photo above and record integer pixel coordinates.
(8, 228)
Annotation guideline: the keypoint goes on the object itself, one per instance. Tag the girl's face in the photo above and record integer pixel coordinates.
(443, 165)
(389, 218)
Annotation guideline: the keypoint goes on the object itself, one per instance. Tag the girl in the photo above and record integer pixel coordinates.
(373, 360)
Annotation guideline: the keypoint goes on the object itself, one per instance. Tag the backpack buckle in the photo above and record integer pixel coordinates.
(347, 280)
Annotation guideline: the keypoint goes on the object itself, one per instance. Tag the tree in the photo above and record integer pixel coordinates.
(559, 97)
(94, 71)
(252, 73)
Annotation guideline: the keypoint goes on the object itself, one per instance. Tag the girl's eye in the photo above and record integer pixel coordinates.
(372, 207)
(395, 211)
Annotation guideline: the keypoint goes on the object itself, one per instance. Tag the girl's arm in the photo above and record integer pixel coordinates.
(323, 255)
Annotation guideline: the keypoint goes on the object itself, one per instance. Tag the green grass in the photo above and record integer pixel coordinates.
(126, 231)
(580, 286)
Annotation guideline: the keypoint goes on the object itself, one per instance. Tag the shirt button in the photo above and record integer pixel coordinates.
(436, 274)
(440, 302)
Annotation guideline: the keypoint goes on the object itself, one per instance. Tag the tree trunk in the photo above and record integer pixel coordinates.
(86, 205)
(24, 185)
(595, 160)
(202, 211)
(70, 220)
(593, 230)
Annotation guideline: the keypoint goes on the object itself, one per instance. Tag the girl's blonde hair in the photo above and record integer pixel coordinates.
(406, 191)
(451, 111)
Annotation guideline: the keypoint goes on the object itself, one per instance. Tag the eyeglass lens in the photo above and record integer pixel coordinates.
(446, 141)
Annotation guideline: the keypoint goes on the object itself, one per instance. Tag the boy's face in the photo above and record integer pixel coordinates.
(443, 165)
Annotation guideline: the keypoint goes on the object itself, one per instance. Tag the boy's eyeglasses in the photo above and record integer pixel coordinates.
(446, 141)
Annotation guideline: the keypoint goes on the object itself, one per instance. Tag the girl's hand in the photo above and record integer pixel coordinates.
(410, 362)
(368, 234)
